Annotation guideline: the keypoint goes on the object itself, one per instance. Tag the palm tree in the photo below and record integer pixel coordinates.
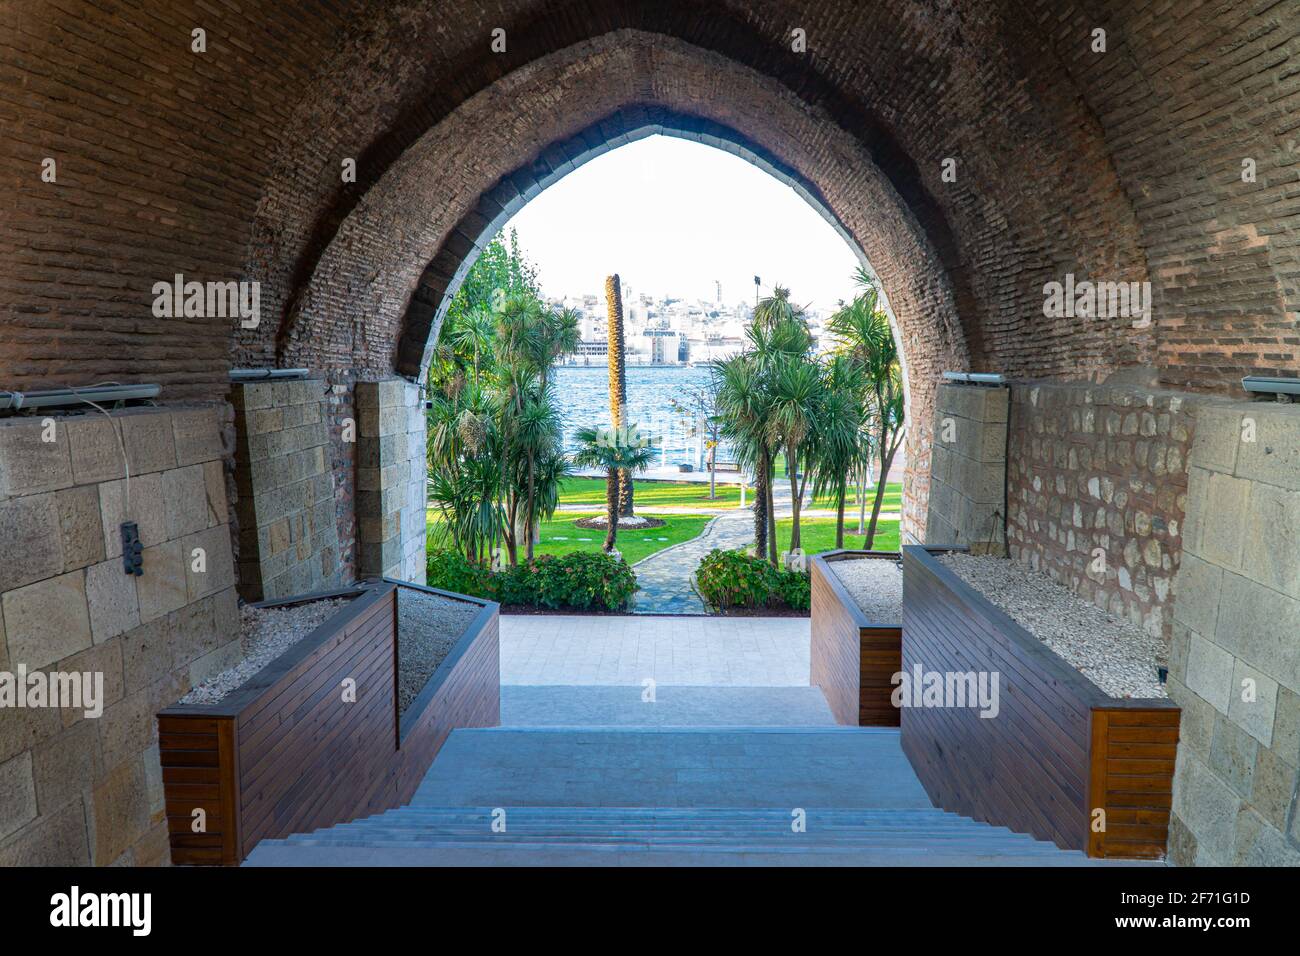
(618, 452)
(839, 437)
(617, 380)
(865, 336)
(798, 394)
(744, 405)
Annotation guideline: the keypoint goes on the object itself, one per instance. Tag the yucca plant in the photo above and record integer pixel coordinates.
(864, 335)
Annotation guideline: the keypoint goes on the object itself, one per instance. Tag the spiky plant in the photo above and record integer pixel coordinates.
(618, 380)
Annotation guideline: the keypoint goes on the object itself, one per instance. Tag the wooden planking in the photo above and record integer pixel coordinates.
(286, 753)
(465, 692)
(190, 752)
(1037, 766)
(881, 657)
(853, 660)
(1132, 780)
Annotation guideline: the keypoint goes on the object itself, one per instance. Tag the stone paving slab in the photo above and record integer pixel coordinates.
(665, 577)
(672, 706)
(829, 767)
(629, 649)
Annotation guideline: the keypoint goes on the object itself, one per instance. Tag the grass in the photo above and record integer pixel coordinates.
(683, 494)
(818, 534)
(634, 544)
(591, 491)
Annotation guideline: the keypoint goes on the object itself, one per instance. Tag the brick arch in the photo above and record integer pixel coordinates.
(443, 275)
(537, 30)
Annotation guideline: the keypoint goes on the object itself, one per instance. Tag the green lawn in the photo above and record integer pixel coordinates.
(591, 491)
(818, 534)
(560, 536)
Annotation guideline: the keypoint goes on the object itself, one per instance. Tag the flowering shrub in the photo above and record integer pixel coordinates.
(736, 579)
(579, 580)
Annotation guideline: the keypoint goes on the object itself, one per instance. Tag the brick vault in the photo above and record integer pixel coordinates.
(971, 151)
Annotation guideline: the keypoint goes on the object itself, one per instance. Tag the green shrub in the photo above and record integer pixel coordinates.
(452, 571)
(794, 590)
(579, 580)
(728, 579)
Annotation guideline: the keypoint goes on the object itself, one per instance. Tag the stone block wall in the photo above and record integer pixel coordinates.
(88, 790)
(1101, 470)
(288, 532)
(968, 467)
(1235, 657)
(391, 468)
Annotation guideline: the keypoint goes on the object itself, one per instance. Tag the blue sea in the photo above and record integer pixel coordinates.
(583, 393)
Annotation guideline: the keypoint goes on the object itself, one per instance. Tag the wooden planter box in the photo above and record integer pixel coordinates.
(286, 753)
(1059, 749)
(853, 659)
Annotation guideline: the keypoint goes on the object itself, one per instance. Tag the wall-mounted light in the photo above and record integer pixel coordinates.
(975, 378)
(70, 397)
(267, 374)
(1282, 388)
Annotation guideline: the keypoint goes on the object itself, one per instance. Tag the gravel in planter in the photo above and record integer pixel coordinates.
(876, 584)
(265, 633)
(1116, 656)
(428, 626)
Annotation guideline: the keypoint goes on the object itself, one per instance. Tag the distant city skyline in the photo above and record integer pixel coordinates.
(677, 218)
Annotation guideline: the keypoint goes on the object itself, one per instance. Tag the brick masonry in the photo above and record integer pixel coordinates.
(1097, 490)
(391, 480)
(1118, 165)
(1235, 659)
(76, 789)
(968, 469)
(284, 475)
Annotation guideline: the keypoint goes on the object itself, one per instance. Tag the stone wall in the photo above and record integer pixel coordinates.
(391, 480)
(288, 531)
(1097, 490)
(1235, 658)
(77, 789)
(968, 468)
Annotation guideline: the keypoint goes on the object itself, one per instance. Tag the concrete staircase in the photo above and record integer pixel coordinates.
(671, 796)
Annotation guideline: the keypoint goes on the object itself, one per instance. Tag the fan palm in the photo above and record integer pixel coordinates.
(617, 452)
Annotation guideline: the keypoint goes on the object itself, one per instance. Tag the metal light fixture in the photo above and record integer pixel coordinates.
(1282, 388)
(69, 397)
(266, 374)
(975, 378)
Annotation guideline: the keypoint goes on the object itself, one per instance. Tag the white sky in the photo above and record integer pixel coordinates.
(671, 216)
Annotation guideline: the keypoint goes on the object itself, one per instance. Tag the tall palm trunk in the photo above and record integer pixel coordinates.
(839, 513)
(617, 382)
(792, 466)
(530, 514)
(771, 510)
(759, 507)
(886, 459)
(611, 509)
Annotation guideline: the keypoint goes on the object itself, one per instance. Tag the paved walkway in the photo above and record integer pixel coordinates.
(560, 649)
(665, 577)
(670, 706)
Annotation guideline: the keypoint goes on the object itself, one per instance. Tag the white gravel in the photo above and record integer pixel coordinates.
(428, 626)
(876, 584)
(265, 634)
(1116, 656)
